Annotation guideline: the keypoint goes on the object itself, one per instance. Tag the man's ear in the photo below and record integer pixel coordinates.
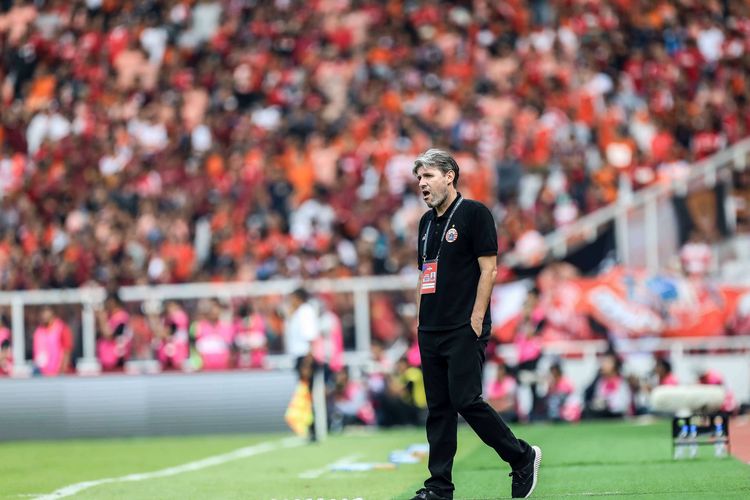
(450, 175)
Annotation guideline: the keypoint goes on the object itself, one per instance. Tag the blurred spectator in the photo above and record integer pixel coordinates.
(696, 257)
(329, 347)
(349, 403)
(213, 336)
(413, 354)
(302, 327)
(561, 401)
(6, 354)
(410, 377)
(713, 377)
(172, 337)
(250, 338)
(53, 343)
(641, 388)
(529, 346)
(608, 395)
(502, 393)
(377, 372)
(393, 407)
(663, 372)
(114, 335)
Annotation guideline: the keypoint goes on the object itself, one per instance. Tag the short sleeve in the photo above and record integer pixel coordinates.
(484, 233)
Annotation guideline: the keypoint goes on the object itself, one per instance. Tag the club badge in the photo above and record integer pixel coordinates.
(451, 235)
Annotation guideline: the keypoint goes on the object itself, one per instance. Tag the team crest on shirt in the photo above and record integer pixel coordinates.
(451, 235)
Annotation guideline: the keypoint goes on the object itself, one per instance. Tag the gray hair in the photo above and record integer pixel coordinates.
(439, 159)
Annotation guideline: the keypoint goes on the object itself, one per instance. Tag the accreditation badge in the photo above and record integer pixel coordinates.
(429, 277)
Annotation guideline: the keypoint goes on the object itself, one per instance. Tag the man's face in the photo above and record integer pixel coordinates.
(434, 185)
(47, 316)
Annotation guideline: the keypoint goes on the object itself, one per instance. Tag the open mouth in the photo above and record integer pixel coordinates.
(425, 193)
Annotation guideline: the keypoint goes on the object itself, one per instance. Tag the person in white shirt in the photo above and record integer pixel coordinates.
(301, 335)
(301, 328)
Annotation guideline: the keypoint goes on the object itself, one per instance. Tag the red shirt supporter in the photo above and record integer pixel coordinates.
(53, 342)
(706, 143)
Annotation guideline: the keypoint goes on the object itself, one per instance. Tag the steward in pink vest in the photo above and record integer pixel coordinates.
(114, 339)
(53, 342)
(173, 347)
(214, 338)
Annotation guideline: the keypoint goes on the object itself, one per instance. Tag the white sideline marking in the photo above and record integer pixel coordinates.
(590, 494)
(245, 452)
(315, 473)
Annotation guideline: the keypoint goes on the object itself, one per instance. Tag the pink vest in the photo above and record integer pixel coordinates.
(413, 355)
(176, 348)
(562, 386)
(253, 333)
(5, 334)
(48, 351)
(501, 388)
(213, 342)
(528, 348)
(6, 366)
(109, 351)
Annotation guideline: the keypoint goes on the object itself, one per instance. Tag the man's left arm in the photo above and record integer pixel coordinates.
(488, 270)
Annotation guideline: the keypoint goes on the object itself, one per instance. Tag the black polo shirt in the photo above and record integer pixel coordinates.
(458, 269)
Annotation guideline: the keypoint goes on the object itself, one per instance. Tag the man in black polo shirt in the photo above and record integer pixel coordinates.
(457, 256)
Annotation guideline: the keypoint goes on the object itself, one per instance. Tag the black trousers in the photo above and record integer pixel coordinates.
(452, 364)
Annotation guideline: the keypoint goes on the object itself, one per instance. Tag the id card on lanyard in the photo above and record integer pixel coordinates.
(430, 267)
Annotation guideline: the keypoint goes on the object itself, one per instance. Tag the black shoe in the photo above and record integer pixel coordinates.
(425, 494)
(524, 479)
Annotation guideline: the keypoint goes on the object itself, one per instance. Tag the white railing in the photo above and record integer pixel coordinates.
(91, 298)
(643, 218)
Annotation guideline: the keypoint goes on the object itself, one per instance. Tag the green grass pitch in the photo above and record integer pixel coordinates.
(591, 460)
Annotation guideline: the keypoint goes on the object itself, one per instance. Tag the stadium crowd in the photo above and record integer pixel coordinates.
(182, 140)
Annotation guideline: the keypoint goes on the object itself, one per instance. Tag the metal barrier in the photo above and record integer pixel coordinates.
(90, 298)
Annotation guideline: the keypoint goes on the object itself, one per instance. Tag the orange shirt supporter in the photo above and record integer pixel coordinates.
(182, 257)
(235, 246)
(606, 179)
(301, 175)
(41, 93)
(215, 166)
(391, 101)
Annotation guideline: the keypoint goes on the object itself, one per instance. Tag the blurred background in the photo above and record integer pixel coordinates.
(171, 171)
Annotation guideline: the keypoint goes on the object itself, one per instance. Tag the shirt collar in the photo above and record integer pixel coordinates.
(448, 211)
